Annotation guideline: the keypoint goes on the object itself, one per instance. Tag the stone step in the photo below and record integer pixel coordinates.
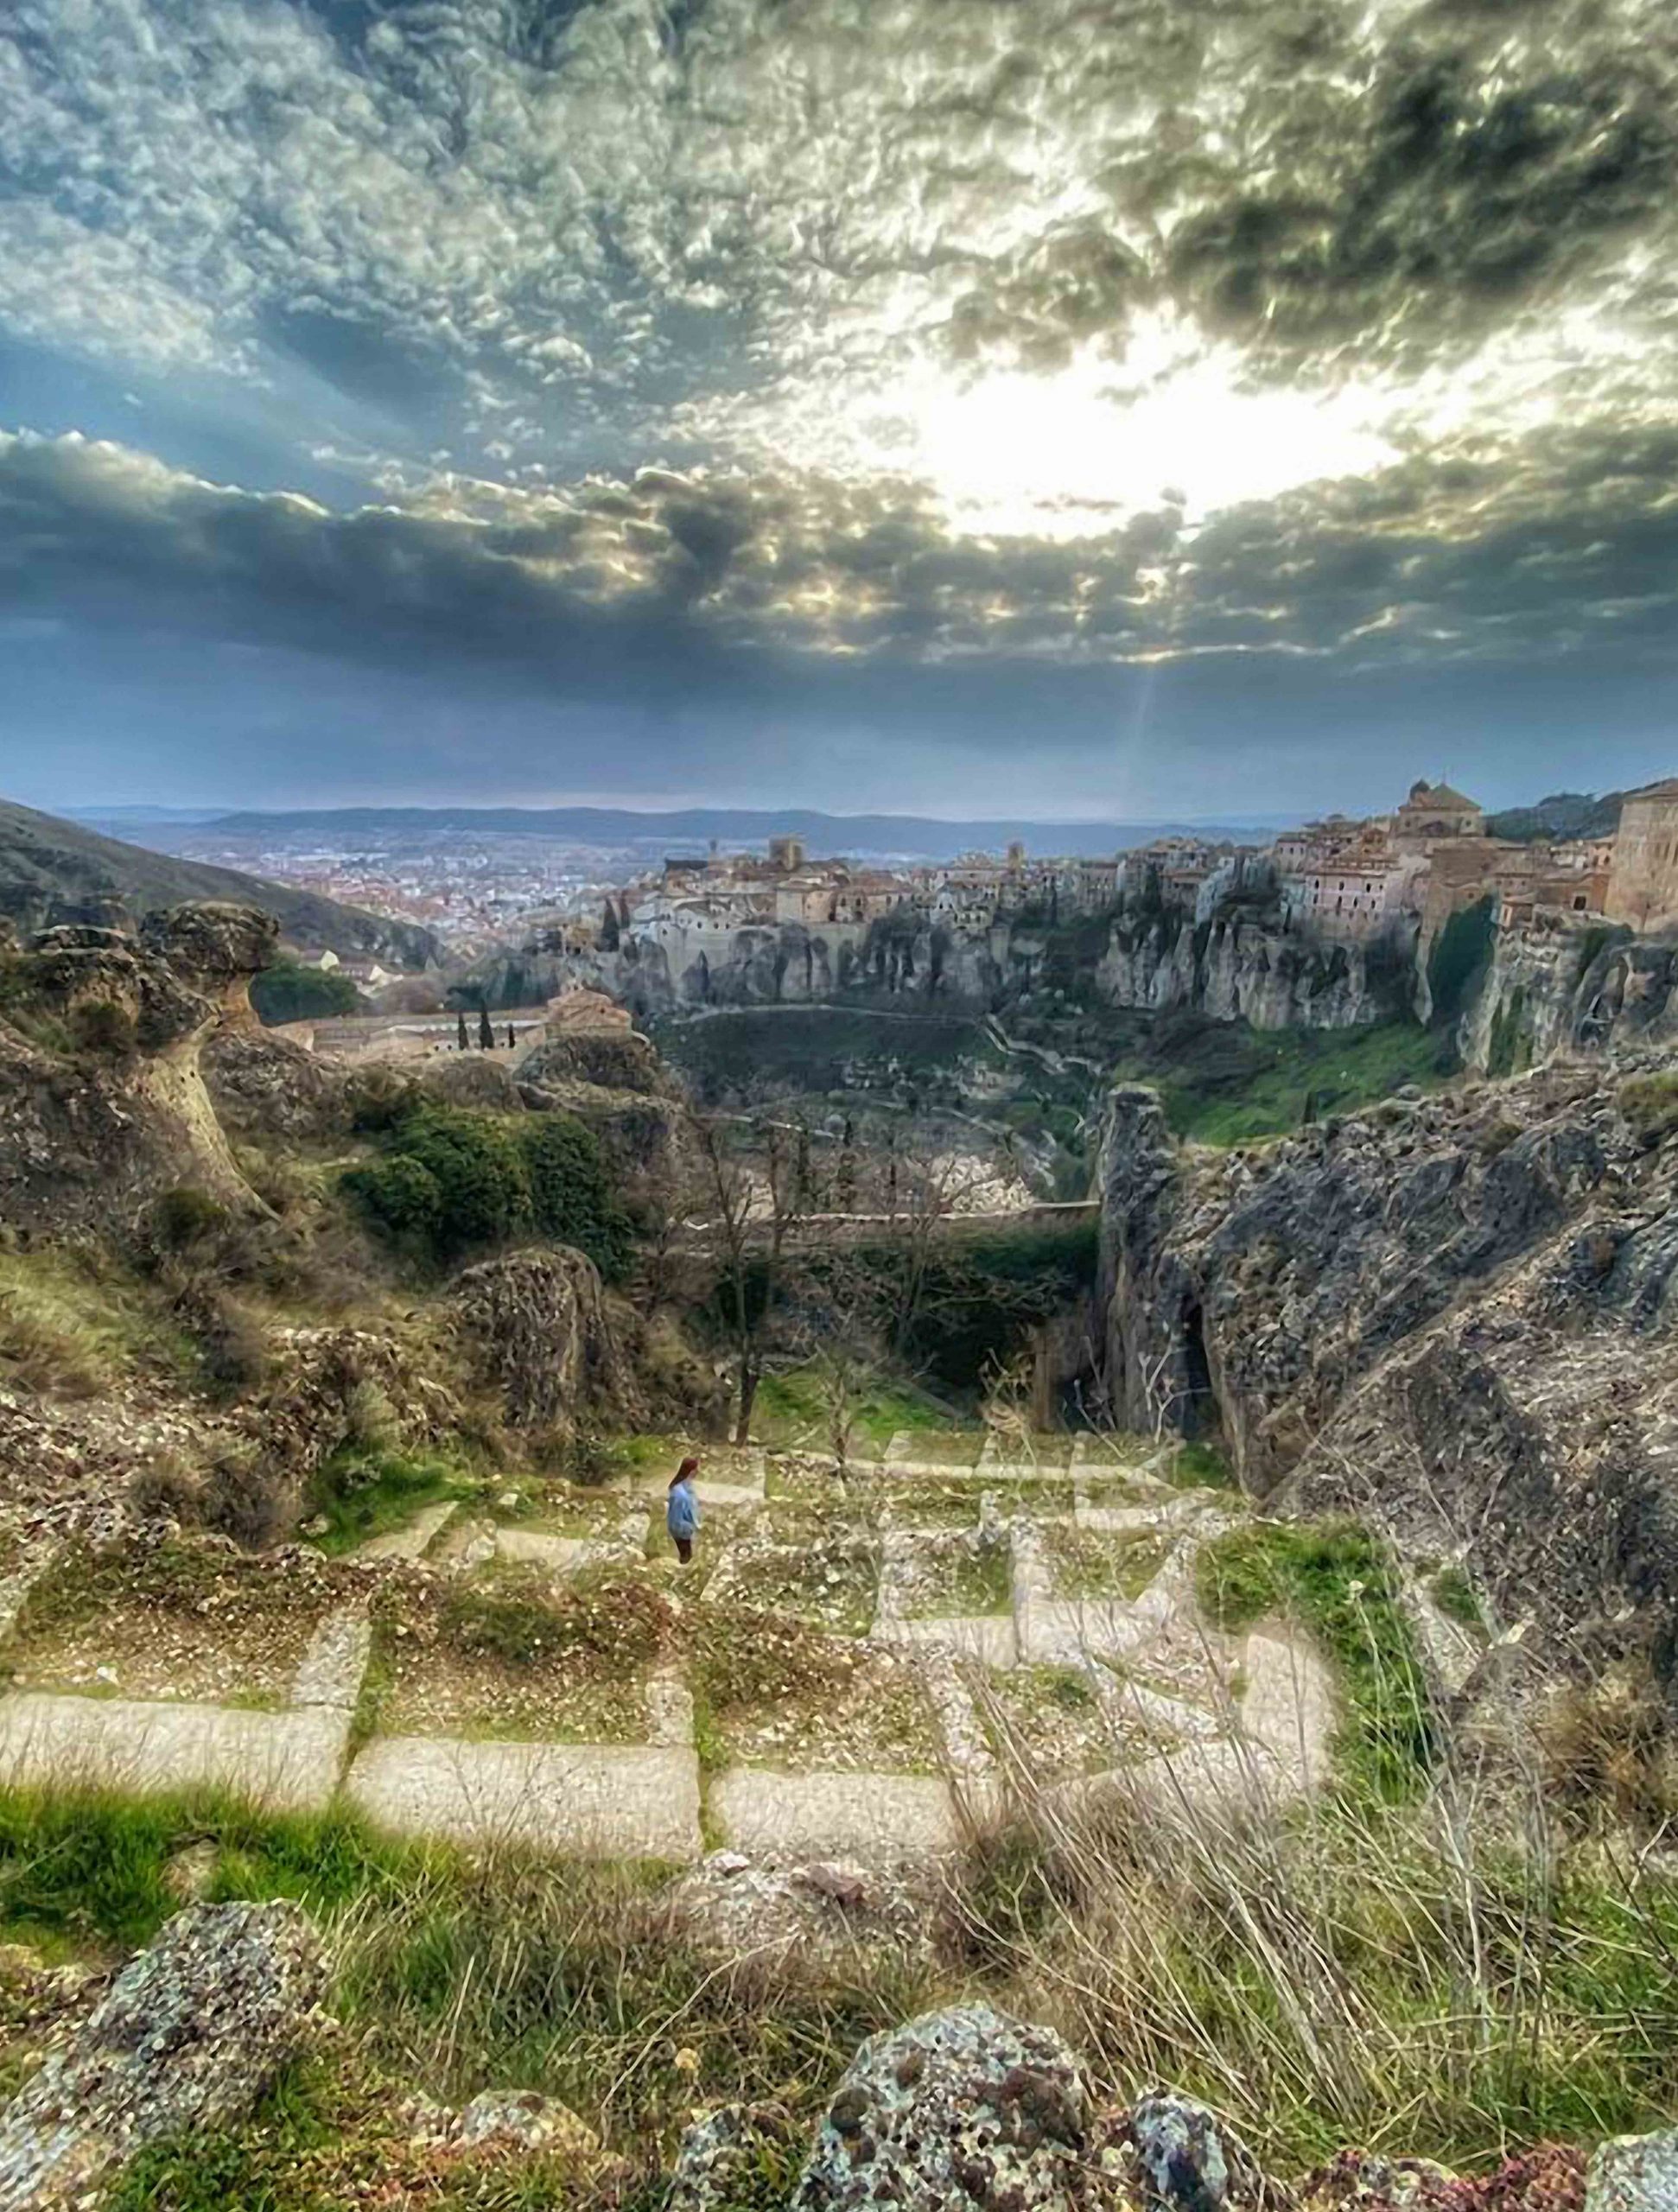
(413, 1539)
(285, 1761)
(580, 1801)
(877, 1818)
(332, 1669)
(988, 1637)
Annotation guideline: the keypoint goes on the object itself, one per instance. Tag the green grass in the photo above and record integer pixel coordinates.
(971, 1579)
(1088, 1563)
(360, 1494)
(1247, 1084)
(1457, 1598)
(790, 1409)
(1334, 1579)
(1348, 1977)
(1200, 1465)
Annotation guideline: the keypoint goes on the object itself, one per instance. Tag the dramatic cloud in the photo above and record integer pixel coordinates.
(880, 362)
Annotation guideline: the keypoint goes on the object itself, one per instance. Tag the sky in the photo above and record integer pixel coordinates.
(1102, 409)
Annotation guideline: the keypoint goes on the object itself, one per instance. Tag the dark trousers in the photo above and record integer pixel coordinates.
(683, 1548)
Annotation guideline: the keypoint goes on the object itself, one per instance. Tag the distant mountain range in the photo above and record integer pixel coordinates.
(685, 829)
(52, 871)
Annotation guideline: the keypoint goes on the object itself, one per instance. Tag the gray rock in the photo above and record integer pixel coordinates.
(723, 2155)
(1635, 2173)
(960, 2107)
(188, 2035)
(1185, 2160)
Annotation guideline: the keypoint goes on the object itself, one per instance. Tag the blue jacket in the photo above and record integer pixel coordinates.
(682, 1514)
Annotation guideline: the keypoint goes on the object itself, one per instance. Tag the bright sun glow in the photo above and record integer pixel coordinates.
(1071, 454)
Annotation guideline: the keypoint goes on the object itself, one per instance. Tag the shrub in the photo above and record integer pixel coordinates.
(102, 1028)
(181, 1218)
(289, 992)
(451, 1180)
(400, 1196)
(249, 1498)
(571, 1199)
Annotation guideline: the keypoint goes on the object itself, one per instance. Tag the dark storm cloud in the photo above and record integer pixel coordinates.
(846, 350)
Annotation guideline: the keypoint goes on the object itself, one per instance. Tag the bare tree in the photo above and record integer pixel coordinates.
(753, 1206)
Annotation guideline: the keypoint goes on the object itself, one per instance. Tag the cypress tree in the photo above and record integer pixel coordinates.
(485, 1034)
(462, 1040)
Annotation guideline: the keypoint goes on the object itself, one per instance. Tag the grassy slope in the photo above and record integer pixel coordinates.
(1229, 1085)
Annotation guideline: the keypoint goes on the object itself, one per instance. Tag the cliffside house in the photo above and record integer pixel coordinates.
(1642, 875)
(576, 1011)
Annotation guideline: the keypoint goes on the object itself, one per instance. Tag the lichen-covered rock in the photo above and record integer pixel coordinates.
(527, 2120)
(960, 2107)
(723, 2157)
(1633, 2173)
(189, 2035)
(538, 1333)
(1184, 2158)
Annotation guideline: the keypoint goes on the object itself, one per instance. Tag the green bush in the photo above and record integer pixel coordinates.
(571, 1199)
(289, 992)
(450, 1181)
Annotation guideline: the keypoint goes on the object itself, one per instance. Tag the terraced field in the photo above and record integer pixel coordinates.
(857, 1662)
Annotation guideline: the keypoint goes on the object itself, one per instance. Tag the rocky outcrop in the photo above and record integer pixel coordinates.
(265, 1088)
(103, 1099)
(189, 2036)
(1454, 1314)
(1558, 988)
(961, 2106)
(538, 1333)
(1241, 965)
(614, 1059)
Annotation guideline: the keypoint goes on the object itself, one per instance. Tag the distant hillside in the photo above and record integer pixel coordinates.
(1563, 814)
(692, 828)
(53, 871)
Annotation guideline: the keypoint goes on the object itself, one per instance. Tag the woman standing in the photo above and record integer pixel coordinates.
(682, 1510)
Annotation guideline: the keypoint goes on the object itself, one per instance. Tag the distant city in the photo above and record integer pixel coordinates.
(1341, 878)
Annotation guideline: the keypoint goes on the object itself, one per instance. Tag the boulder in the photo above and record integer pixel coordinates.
(1634, 2173)
(1182, 2158)
(265, 1086)
(723, 2157)
(538, 1333)
(960, 2107)
(189, 2035)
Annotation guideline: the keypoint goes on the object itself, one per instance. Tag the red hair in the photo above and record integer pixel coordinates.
(689, 1466)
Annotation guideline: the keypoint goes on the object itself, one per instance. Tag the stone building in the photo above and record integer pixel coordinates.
(1642, 876)
(1432, 812)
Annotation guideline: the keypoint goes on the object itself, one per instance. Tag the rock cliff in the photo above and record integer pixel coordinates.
(1453, 1313)
(1242, 964)
(102, 1093)
(1564, 989)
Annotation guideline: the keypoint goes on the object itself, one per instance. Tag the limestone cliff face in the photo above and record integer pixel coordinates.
(102, 1093)
(1569, 988)
(1455, 1314)
(1240, 965)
